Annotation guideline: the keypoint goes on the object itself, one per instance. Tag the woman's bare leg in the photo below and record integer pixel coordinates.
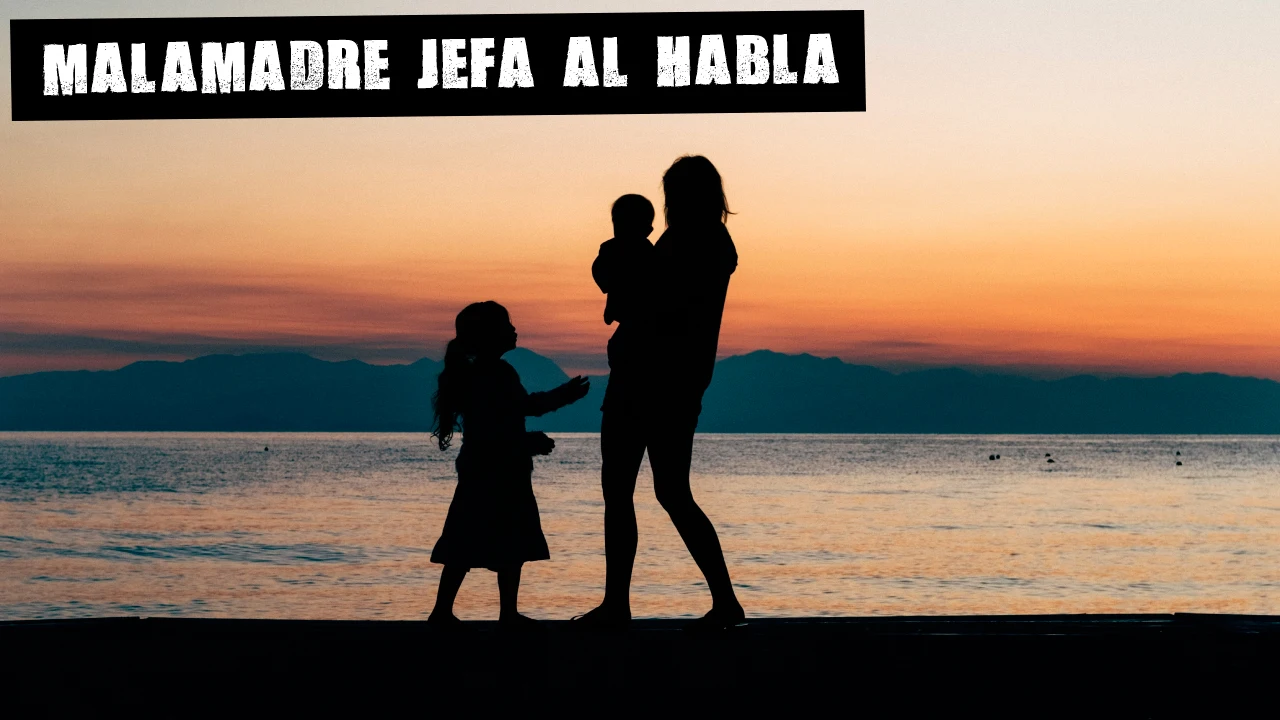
(670, 454)
(621, 452)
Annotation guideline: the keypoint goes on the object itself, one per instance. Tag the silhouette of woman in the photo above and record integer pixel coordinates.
(654, 402)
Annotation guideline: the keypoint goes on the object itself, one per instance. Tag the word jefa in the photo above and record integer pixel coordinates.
(447, 63)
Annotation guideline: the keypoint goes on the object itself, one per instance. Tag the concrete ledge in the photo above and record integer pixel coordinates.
(1146, 663)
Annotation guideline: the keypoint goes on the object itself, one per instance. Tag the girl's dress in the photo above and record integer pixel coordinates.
(493, 519)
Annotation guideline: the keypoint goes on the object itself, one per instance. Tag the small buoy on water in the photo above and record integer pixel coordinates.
(1046, 454)
(991, 457)
(997, 456)
(1179, 463)
(266, 449)
(1178, 452)
(1049, 460)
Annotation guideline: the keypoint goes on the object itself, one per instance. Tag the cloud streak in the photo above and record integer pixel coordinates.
(107, 316)
(84, 316)
(186, 346)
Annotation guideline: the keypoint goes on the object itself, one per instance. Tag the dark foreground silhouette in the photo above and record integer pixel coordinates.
(1031, 666)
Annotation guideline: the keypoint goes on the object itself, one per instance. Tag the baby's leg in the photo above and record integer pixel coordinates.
(450, 580)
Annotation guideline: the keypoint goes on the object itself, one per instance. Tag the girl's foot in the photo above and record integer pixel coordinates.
(719, 619)
(603, 618)
(444, 621)
(516, 621)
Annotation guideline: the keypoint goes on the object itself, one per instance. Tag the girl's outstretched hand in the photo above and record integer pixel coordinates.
(538, 443)
(575, 389)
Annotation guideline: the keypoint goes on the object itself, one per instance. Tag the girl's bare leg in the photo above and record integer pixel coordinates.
(450, 580)
(508, 595)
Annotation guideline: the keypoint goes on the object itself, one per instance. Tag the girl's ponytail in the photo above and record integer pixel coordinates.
(478, 327)
(450, 389)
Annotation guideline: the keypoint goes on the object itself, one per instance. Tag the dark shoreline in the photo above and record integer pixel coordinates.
(1143, 663)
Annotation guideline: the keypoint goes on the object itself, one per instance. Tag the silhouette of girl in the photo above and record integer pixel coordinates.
(657, 409)
(493, 519)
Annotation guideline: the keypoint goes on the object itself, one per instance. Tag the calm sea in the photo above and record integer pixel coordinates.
(341, 526)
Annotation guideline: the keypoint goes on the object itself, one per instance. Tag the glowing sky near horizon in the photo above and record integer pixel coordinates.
(1051, 188)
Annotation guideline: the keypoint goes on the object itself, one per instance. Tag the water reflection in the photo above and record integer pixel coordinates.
(340, 526)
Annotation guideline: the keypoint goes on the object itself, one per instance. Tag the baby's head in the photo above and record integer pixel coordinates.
(632, 216)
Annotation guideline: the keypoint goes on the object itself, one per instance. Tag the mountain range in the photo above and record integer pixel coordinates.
(762, 391)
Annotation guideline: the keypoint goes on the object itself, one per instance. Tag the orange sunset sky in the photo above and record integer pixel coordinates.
(1041, 187)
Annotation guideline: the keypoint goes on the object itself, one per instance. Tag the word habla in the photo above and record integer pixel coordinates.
(753, 56)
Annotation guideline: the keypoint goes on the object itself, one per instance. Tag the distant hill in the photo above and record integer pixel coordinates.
(770, 392)
(759, 392)
(272, 391)
(283, 391)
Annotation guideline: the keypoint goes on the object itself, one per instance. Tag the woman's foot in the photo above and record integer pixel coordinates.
(719, 619)
(603, 618)
(516, 621)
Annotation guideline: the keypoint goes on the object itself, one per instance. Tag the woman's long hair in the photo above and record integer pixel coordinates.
(694, 192)
(474, 328)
